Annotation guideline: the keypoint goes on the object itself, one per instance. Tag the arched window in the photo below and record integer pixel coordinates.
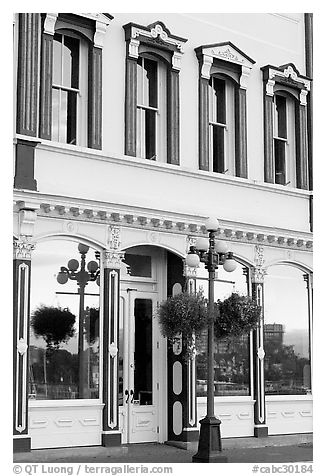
(151, 108)
(221, 125)
(287, 331)
(224, 71)
(285, 126)
(69, 88)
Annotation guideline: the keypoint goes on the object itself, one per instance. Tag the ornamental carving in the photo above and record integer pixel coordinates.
(22, 346)
(113, 259)
(228, 55)
(260, 353)
(114, 240)
(113, 350)
(23, 249)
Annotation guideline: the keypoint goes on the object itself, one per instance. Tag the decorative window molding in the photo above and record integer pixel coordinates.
(286, 80)
(91, 27)
(157, 41)
(224, 60)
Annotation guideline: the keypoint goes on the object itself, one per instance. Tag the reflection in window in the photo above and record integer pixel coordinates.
(64, 343)
(231, 355)
(286, 332)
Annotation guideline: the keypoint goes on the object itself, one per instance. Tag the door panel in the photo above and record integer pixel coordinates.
(137, 393)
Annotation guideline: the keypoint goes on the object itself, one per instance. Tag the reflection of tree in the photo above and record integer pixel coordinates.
(54, 324)
(92, 325)
(283, 368)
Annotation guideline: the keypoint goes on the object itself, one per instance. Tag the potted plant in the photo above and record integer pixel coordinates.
(235, 316)
(184, 314)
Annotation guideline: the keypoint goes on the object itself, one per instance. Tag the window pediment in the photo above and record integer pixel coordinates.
(154, 34)
(226, 53)
(287, 75)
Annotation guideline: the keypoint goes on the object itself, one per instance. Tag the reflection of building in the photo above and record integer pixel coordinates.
(129, 131)
(274, 332)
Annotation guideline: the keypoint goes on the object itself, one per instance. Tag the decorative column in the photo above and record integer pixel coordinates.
(45, 119)
(204, 76)
(241, 168)
(302, 142)
(112, 257)
(21, 309)
(269, 166)
(173, 111)
(27, 75)
(182, 402)
(131, 98)
(257, 276)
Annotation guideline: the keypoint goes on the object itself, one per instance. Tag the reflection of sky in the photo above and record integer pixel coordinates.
(223, 290)
(286, 303)
(48, 257)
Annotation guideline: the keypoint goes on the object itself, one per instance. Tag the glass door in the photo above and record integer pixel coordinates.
(138, 395)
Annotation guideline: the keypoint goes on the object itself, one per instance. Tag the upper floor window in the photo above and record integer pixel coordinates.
(224, 71)
(151, 109)
(221, 125)
(152, 92)
(284, 140)
(285, 125)
(69, 89)
(71, 78)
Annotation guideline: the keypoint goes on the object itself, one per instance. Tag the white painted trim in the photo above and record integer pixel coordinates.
(232, 400)
(64, 403)
(288, 398)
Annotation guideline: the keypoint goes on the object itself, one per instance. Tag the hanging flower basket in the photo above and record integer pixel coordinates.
(235, 316)
(54, 324)
(184, 313)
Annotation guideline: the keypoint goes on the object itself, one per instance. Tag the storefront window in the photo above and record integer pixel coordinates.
(231, 355)
(286, 332)
(64, 330)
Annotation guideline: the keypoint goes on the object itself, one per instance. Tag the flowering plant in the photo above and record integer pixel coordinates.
(184, 313)
(235, 316)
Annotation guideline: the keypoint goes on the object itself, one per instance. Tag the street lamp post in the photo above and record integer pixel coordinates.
(213, 253)
(82, 277)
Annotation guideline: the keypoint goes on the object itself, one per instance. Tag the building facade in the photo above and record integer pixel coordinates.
(131, 130)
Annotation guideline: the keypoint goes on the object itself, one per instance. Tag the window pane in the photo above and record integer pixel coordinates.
(140, 265)
(280, 117)
(218, 148)
(72, 118)
(286, 332)
(150, 134)
(150, 83)
(217, 100)
(279, 152)
(70, 53)
(64, 347)
(55, 114)
(231, 356)
(57, 64)
(143, 352)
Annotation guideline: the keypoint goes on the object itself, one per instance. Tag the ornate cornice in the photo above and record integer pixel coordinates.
(177, 224)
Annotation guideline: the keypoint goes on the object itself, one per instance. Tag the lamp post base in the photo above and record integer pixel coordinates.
(209, 445)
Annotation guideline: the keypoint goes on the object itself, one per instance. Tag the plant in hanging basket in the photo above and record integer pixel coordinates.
(235, 316)
(54, 324)
(184, 313)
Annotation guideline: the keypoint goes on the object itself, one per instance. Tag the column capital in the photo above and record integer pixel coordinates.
(258, 274)
(23, 248)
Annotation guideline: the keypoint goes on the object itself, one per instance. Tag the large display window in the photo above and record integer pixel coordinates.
(286, 331)
(64, 325)
(231, 355)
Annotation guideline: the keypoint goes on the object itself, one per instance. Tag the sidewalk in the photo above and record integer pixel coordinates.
(274, 449)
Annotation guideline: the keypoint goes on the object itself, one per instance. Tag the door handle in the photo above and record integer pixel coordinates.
(127, 393)
(132, 396)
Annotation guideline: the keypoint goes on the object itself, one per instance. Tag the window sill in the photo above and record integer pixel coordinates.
(283, 398)
(65, 403)
(228, 399)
